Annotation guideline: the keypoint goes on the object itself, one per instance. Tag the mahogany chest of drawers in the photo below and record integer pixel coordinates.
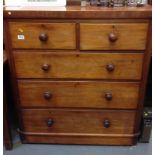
(79, 74)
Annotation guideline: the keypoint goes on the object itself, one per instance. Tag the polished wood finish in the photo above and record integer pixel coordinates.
(146, 64)
(82, 121)
(150, 2)
(86, 94)
(110, 67)
(47, 95)
(108, 96)
(43, 35)
(50, 122)
(106, 123)
(97, 140)
(73, 65)
(61, 90)
(113, 36)
(45, 67)
(78, 12)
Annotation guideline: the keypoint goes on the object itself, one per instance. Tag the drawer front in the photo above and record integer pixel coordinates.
(86, 94)
(43, 35)
(117, 36)
(78, 65)
(78, 121)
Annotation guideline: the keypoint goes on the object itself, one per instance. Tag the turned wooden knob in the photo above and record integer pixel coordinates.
(108, 96)
(110, 67)
(106, 123)
(47, 95)
(43, 37)
(50, 122)
(112, 37)
(45, 67)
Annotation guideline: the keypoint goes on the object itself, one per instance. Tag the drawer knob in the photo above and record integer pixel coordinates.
(112, 37)
(50, 122)
(110, 67)
(47, 95)
(106, 123)
(43, 37)
(108, 96)
(45, 67)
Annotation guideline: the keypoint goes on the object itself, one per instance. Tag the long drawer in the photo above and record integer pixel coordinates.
(78, 65)
(114, 36)
(43, 35)
(78, 121)
(77, 94)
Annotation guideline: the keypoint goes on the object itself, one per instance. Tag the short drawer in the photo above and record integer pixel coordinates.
(115, 36)
(79, 94)
(78, 121)
(43, 35)
(78, 65)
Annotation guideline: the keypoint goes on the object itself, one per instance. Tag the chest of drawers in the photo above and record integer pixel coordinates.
(79, 74)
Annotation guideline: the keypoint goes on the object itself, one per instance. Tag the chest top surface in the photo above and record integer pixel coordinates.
(78, 12)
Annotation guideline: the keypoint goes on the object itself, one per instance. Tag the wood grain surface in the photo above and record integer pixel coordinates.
(78, 12)
(70, 57)
(130, 36)
(93, 140)
(78, 121)
(78, 65)
(84, 94)
(60, 35)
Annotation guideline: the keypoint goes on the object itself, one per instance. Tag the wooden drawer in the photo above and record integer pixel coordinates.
(43, 35)
(78, 121)
(78, 65)
(116, 36)
(86, 94)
